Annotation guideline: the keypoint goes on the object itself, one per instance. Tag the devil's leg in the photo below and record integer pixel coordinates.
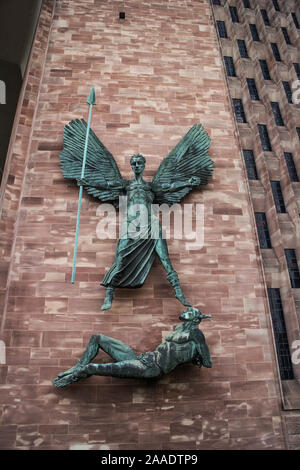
(118, 350)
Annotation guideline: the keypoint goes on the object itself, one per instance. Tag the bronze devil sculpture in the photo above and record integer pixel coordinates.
(185, 344)
(186, 166)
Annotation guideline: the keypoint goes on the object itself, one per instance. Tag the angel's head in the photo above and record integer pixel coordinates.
(137, 163)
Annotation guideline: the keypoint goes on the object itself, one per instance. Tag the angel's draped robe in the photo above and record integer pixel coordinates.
(135, 254)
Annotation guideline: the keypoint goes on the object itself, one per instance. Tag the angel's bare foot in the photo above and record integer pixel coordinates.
(109, 295)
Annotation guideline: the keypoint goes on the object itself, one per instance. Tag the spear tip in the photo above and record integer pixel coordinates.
(92, 97)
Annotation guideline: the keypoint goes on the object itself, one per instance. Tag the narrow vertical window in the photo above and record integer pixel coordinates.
(298, 131)
(276, 51)
(230, 70)
(291, 166)
(254, 32)
(222, 29)
(288, 91)
(277, 113)
(252, 89)
(264, 137)
(246, 4)
(265, 17)
(264, 69)
(250, 164)
(280, 335)
(295, 20)
(239, 110)
(234, 14)
(262, 230)
(286, 35)
(275, 4)
(292, 264)
(278, 197)
(242, 48)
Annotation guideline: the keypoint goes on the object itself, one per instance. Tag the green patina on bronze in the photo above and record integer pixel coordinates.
(186, 166)
(185, 344)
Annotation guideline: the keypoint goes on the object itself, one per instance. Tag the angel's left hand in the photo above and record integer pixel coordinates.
(194, 181)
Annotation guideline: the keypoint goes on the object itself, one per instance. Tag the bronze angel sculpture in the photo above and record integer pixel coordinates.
(186, 166)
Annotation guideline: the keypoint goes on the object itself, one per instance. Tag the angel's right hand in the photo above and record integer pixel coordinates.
(82, 182)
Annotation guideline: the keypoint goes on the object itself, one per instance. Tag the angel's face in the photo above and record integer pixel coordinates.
(137, 165)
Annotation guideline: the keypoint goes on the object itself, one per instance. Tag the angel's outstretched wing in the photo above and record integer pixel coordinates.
(100, 168)
(188, 158)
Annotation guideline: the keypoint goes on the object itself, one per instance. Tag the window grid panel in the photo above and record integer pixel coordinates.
(230, 69)
(295, 19)
(291, 166)
(222, 29)
(277, 113)
(276, 51)
(264, 69)
(262, 230)
(250, 164)
(234, 14)
(288, 91)
(280, 335)
(265, 17)
(242, 48)
(292, 264)
(278, 197)
(254, 32)
(286, 35)
(252, 89)
(239, 110)
(264, 137)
